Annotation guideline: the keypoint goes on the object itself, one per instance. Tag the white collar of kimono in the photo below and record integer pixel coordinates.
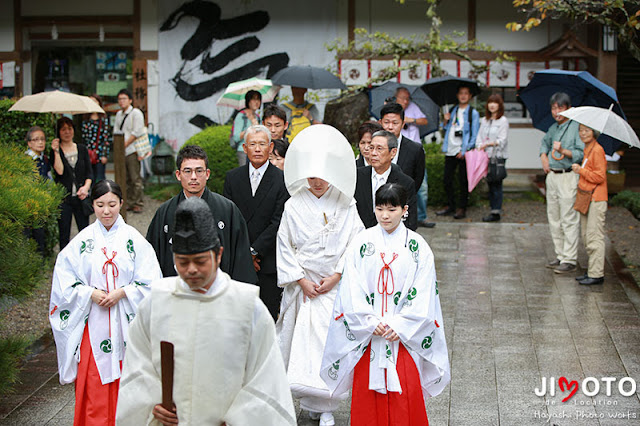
(398, 236)
(219, 284)
(116, 225)
(320, 151)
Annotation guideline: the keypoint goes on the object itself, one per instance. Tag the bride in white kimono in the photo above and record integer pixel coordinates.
(99, 279)
(317, 224)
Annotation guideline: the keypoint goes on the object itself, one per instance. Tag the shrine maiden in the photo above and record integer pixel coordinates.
(386, 336)
(99, 279)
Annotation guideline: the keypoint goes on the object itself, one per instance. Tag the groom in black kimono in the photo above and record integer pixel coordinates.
(193, 173)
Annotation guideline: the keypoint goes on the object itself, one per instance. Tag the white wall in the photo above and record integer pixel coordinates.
(149, 25)
(7, 39)
(524, 145)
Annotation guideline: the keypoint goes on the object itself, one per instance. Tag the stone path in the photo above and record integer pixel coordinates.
(510, 323)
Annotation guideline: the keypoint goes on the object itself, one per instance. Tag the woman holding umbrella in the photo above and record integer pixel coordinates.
(246, 118)
(71, 169)
(592, 185)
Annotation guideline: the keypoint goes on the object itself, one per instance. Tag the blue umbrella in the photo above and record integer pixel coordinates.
(378, 96)
(584, 90)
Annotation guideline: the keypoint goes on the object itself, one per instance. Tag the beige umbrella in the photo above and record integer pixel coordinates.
(604, 121)
(57, 102)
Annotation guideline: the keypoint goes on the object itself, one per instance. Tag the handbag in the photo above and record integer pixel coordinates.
(497, 170)
(583, 201)
(93, 156)
(87, 206)
(143, 146)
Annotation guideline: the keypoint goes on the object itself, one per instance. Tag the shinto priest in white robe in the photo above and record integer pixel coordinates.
(228, 367)
(409, 303)
(313, 236)
(103, 260)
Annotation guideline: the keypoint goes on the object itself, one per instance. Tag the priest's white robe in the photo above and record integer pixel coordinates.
(410, 305)
(83, 266)
(228, 367)
(313, 236)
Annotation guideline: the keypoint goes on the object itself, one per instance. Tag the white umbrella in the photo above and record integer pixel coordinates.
(57, 102)
(604, 121)
(234, 94)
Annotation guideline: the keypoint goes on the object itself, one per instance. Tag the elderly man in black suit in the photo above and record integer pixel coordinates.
(258, 189)
(384, 147)
(410, 156)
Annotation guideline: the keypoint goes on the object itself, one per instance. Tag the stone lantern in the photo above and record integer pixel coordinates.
(163, 163)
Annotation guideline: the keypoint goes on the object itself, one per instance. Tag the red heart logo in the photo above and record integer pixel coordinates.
(562, 382)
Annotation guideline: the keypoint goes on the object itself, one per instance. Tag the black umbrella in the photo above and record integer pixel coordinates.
(444, 90)
(308, 77)
(378, 96)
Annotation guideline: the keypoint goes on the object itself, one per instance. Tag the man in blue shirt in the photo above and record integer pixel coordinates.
(560, 148)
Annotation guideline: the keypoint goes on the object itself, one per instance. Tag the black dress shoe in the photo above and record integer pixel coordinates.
(582, 277)
(493, 217)
(426, 224)
(444, 212)
(592, 281)
(460, 214)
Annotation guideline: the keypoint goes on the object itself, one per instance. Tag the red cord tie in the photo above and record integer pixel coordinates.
(114, 268)
(114, 274)
(383, 278)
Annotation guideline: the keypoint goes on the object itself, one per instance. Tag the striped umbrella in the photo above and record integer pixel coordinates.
(234, 94)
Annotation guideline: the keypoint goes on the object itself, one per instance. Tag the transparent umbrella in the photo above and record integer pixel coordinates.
(604, 121)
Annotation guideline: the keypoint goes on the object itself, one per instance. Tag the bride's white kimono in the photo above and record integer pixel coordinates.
(104, 260)
(405, 297)
(313, 236)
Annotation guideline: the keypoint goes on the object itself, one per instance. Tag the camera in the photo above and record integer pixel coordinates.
(458, 133)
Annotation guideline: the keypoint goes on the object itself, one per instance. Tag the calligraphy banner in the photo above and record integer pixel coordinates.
(205, 45)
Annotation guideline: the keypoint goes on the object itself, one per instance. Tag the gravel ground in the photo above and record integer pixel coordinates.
(30, 317)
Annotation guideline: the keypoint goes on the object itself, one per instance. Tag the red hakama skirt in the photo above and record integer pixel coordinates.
(370, 408)
(95, 402)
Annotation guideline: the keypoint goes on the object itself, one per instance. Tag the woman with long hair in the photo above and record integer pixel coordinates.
(98, 281)
(492, 138)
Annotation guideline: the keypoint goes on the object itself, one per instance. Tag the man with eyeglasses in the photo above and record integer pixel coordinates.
(384, 146)
(258, 189)
(193, 173)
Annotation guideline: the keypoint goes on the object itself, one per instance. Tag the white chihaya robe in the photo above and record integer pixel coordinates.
(313, 236)
(81, 267)
(411, 307)
(228, 367)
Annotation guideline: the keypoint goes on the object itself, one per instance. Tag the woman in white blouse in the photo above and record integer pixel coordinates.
(492, 137)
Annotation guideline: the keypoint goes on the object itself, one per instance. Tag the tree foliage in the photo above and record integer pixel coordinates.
(623, 16)
(428, 47)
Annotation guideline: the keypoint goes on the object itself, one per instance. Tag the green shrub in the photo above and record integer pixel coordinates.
(12, 351)
(14, 124)
(162, 192)
(629, 200)
(222, 158)
(26, 200)
(435, 178)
